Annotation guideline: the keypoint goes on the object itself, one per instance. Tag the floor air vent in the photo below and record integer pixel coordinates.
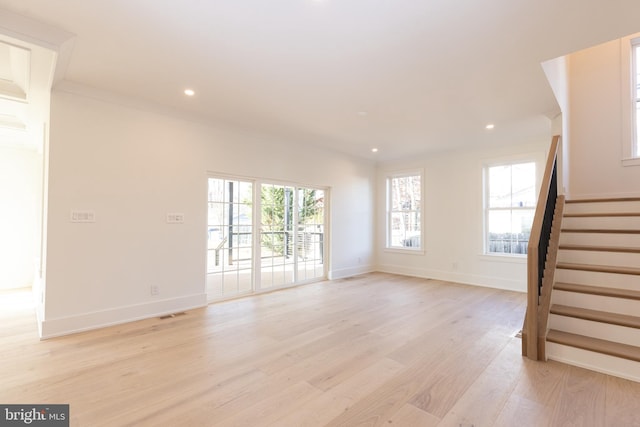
(171, 316)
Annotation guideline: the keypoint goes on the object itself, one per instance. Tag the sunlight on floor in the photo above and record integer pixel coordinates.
(15, 301)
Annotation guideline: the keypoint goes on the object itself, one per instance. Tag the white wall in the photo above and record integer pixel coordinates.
(597, 124)
(19, 212)
(131, 167)
(453, 220)
(557, 72)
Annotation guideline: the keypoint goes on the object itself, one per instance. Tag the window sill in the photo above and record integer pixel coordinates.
(405, 251)
(513, 259)
(633, 161)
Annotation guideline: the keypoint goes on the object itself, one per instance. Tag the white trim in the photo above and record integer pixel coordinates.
(593, 361)
(627, 100)
(455, 277)
(406, 251)
(631, 162)
(502, 257)
(350, 271)
(99, 319)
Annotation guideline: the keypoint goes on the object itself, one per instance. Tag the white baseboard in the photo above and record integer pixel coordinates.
(99, 319)
(351, 271)
(463, 278)
(586, 359)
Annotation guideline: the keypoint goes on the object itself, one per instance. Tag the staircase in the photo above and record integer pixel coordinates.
(594, 319)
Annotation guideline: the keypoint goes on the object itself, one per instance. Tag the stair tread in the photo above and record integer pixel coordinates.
(601, 214)
(600, 230)
(575, 247)
(597, 290)
(598, 268)
(596, 315)
(605, 200)
(611, 348)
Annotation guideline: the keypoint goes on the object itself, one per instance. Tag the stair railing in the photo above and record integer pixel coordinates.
(537, 251)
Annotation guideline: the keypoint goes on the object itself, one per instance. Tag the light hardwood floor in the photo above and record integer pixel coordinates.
(373, 350)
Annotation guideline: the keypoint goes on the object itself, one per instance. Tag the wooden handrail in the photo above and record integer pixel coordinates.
(534, 252)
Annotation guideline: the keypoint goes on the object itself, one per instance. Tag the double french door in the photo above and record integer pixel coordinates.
(263, 236)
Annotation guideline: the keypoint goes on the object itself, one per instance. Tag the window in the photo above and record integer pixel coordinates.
(404, 206)
(630, 93)
(510, 200)
(636, 95)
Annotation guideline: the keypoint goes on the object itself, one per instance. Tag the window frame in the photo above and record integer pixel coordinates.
(630, 138)
(389, 212)
(538, 160)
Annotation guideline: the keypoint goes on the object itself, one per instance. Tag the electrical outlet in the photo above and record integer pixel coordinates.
(175, 218)
(155, 290)
(83, 216)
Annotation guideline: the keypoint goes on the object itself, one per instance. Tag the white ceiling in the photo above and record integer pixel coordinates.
(430, 74)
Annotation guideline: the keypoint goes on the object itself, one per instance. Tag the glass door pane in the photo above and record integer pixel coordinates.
(277, 240)
(229, 242)
(310, 236)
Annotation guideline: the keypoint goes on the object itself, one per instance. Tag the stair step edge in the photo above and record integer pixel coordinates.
(600, 230)
(604, 200)
(610, 348)
(621, 249)
(601, 215)
(598, 268)
(597, 290)
(596, 316)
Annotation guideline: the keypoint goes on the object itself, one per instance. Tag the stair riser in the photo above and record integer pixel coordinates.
(607, 223)
(603, 331)
(617, 259)
(622, 281)
(596, 302)
(606, 364)
(601, 239)
(602, 207)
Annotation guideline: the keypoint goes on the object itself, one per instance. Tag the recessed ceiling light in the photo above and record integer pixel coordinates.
(189, 92)
(490, 126)
(374, 150)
